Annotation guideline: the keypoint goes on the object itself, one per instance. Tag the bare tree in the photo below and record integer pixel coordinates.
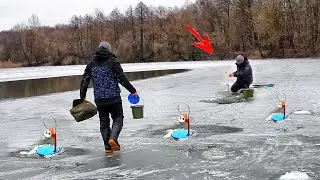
(100, 19)
(116, 18)
(77, 24)
(141, 13)
(88, 24)
(130, 20)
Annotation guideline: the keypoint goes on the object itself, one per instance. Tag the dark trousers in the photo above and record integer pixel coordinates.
(239, 85)
(116, 112)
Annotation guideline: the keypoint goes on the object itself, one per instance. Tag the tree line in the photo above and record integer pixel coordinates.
(256, 28)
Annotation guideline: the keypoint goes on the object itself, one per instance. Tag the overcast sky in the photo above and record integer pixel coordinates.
(60, 11)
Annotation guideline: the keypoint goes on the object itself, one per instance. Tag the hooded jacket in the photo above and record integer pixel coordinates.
(106, 73)
(244, 72)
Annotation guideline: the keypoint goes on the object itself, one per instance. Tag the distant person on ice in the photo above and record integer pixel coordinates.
(243, 74)
(106, 72)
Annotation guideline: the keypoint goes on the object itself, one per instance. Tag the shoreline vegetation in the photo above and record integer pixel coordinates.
(258, 29)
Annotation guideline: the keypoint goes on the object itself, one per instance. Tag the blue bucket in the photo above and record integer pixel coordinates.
(133, 99)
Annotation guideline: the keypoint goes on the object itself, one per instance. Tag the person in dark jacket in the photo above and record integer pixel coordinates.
(106, 72)
(243, 74)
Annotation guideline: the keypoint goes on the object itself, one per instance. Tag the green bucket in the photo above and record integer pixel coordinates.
(248, 93)
(137, 110)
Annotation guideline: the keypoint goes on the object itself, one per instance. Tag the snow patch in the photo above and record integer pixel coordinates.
(302, 112)
(295, 176)
(14, 74)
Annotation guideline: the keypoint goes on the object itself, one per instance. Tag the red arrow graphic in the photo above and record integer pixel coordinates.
(205, 43)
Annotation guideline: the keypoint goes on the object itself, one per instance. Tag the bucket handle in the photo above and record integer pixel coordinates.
(138, 102)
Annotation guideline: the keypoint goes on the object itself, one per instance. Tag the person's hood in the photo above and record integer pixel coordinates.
(245, 63)
(102, 54)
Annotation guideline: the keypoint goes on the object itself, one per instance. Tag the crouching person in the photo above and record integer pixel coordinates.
(243, 74)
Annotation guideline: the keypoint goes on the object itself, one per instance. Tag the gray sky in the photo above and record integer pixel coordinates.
(53, 12)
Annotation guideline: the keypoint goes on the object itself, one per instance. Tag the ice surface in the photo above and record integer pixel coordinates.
(257, 149)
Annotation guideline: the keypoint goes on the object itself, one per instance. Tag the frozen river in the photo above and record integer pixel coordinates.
(230, 141)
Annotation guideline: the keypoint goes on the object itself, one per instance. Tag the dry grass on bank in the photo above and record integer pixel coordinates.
(9, 64)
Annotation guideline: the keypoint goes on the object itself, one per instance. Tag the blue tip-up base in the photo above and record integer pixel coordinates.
(47, 150)
(278, 117)
(181, 133)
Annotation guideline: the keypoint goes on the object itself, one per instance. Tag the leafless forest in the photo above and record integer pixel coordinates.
(256, 28)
